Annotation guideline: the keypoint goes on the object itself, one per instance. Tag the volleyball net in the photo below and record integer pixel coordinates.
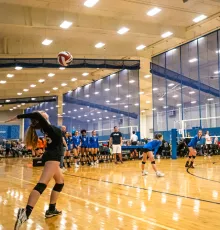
(190, 127)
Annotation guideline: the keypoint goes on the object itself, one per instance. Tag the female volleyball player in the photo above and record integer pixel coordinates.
(148, 153)
(192, 149)
(51, 157)
(67, 152)
(94, 145)
(84, 147)
(76, 148)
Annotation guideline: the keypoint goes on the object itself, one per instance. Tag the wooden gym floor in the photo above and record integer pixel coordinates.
(109, 197)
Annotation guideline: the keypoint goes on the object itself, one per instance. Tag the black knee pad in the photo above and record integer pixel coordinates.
(40, 187)
(194, 157)
(190, 157)
(58, 187)
(153, 162)
(75, 157)
(143, 163)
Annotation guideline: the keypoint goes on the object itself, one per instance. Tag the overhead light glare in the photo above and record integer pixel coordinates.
(47, 42)
(140, 47)
(90, 3)
(153, 11)
(99, 45)
(123, 30)
(199, 18)
(66, 24)
(166, 34)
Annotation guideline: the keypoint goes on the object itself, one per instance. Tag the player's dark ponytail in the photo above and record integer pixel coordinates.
(158, 136)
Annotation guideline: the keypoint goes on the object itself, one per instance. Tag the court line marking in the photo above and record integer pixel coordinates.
(132, 186)
(203, 178)
(104, 207)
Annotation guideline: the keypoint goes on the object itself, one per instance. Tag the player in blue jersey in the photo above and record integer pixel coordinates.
(192, 149)
(76, 148)
(149, 150)
(85, 147)
(67, 153)
(94, 146)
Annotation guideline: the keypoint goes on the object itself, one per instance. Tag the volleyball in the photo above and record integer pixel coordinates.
(64, 58)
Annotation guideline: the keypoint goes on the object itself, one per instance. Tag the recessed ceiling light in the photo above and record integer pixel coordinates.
(166, 34)
(22, 103)
(216, 72)
(165, 107)
(18, 68)
(107, 101)
(92, 114)
(87, 95)
(7, 100)
(192, 92)
(81, 108)
(107, 117)
(74, 79)
(155, 89)
(55, 88)
(200, 18)
(99, 45)
(148, 102)
(126, 106)
(178, 105)
(69, 111)
(128, 95)
(47, 91)
(154, 109)
(51, 108)
(33, 99)
(140, 47)
(25, 90)
(3, 82)
(46, 109)
(153, 11)
(112, 75)
(100, 118)
(137, 104)
(118, 85)
(107, 89)
(14, 107)
(193, 102)
(147, 76)
(175, 96)
(62, 68)
(114, 116)
(98, 112)
(47, 42)
(117, 99)
(63, 84)
(64, 113)
(123, 30)
(193, 60)
(96, 92)
(210, 99)
(51, 74)
(32, 85)
(171, 84)
(10, 75)
(57, 106)
(11, 109)
(217, 51)
(85, 74)
(41, 80)
(161, 99)
(131, 81)
(65, 24)
(90, 3)
(141, 93)
(143, 111)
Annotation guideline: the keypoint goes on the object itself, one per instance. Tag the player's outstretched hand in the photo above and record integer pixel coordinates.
(12, 119)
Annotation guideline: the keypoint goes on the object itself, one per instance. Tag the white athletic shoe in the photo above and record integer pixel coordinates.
(97, 162)
(76, 165)
(63, 170)
(159, 174)
(92, 163)
(144, 173)
(21, 218)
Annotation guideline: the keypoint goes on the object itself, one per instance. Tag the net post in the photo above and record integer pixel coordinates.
(173, 142)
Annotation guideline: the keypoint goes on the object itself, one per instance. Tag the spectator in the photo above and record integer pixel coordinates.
(8, 148)
(134, 139)
(116, 143)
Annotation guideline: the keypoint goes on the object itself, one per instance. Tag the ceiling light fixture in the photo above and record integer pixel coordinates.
(199, 18)
(19, 94)
(107, 89)
(147, 102)
(147, 76)
(66, 24)
(74, 79)
(123, 30)
(192, 92)
(166, 34)
(153, 11)
(137, 104)
(193, 60)
(2, 82)
(32, 85)
(178, 105)
(96, 92)
(128, 95)
(117, 99)
(161, 99)
(47, 91)
(55, 88)
(140, 47)
(10, 75)
(63, 84)
(193, 102)
(141, 93)
(25, 90)
(33, 99)
(175, 96)
(155, 89)
(210, 99)
(131, 81)
(171, 84)
(87, 95)
(90, 3)
(118, 85)
(107, 101)
(99, 45)
(47, 42)
(7, 101)
(62, 68)
(85, 74)
(41, 80)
